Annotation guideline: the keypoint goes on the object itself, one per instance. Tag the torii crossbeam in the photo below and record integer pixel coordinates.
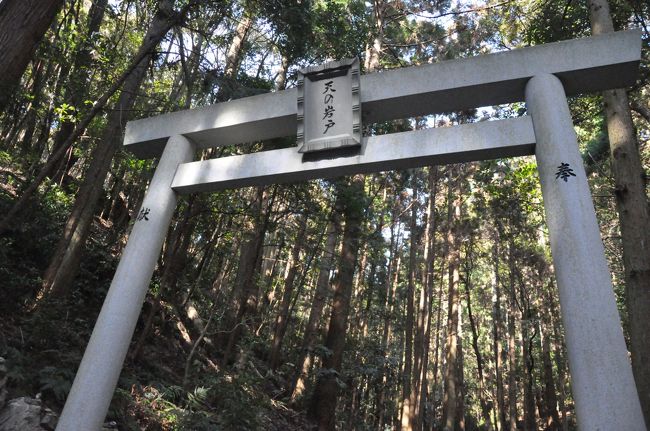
(542, 76)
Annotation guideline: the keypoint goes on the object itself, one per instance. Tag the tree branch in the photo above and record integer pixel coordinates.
(173, 19)
(461, 12)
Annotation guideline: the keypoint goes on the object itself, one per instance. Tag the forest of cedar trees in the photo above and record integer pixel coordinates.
(414, 300)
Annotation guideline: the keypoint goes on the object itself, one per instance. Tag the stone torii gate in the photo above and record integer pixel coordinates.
(542, 76)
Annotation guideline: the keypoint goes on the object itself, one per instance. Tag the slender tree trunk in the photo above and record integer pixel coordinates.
(249, 265)
(512, 357)
(385, 389)
(251, 250)
(323, 406)
(287, 295)
(528, 325)
(408, 409)
(78, 85)
(320, 297)
(392, 277)
(190, 70)
(361, 292)
(177, 252)
(65, 263)
(373, 50)
(144, 53)
(485, 409)
(460, 369)
(40, 71)
(234, 57)
(427, 305)
(451, 415)
(23, 24)
(559, 354)
(438, 369)
(496, 335)
(201, 337)
(420, 353)
(370, 290)
(552, 418)
(634, 216)
(530, 422)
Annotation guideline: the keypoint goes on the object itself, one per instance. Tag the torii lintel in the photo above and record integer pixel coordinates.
(583, 65)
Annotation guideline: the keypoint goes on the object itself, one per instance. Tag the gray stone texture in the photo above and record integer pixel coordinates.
(26, 414)
(584, 65)
(477, 141)
(601, 375)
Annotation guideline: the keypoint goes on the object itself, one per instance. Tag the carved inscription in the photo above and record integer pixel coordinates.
(564, 171)
(329, 111)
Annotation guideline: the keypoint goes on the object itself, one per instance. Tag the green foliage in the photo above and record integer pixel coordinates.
(24, 252)
(56, 381)
(339, 29)
(291, 21)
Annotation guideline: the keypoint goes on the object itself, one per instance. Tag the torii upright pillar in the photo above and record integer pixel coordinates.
(94, 384)
(601, 376)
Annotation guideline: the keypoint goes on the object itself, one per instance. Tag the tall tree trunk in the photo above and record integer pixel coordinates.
(408, 409)
(40, 71)
(78, 85)
(559, 353)
(485, 409)
(634, 216)
(373, 50)
(189, 73)
(496, 335)
(234, 57)
(438, 350)
(527, 324)
(287, 295)
(426, 303)
(318, 302)
(65, 262)
(451, 416)
(460, 368)
(512, 357)
(361, 295)
(392, 278)
(552, 418)
(370, 288)
(247, 271)
(323, 405)
(23, 24)
(170, 17)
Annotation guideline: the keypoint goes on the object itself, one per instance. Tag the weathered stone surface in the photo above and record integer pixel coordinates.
(21, 414)
(601, 376)
(49, 419)
(477, 141)
(584, 65)
(27, 414)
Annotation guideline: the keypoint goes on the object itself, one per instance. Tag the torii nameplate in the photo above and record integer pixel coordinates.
(329, 107)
